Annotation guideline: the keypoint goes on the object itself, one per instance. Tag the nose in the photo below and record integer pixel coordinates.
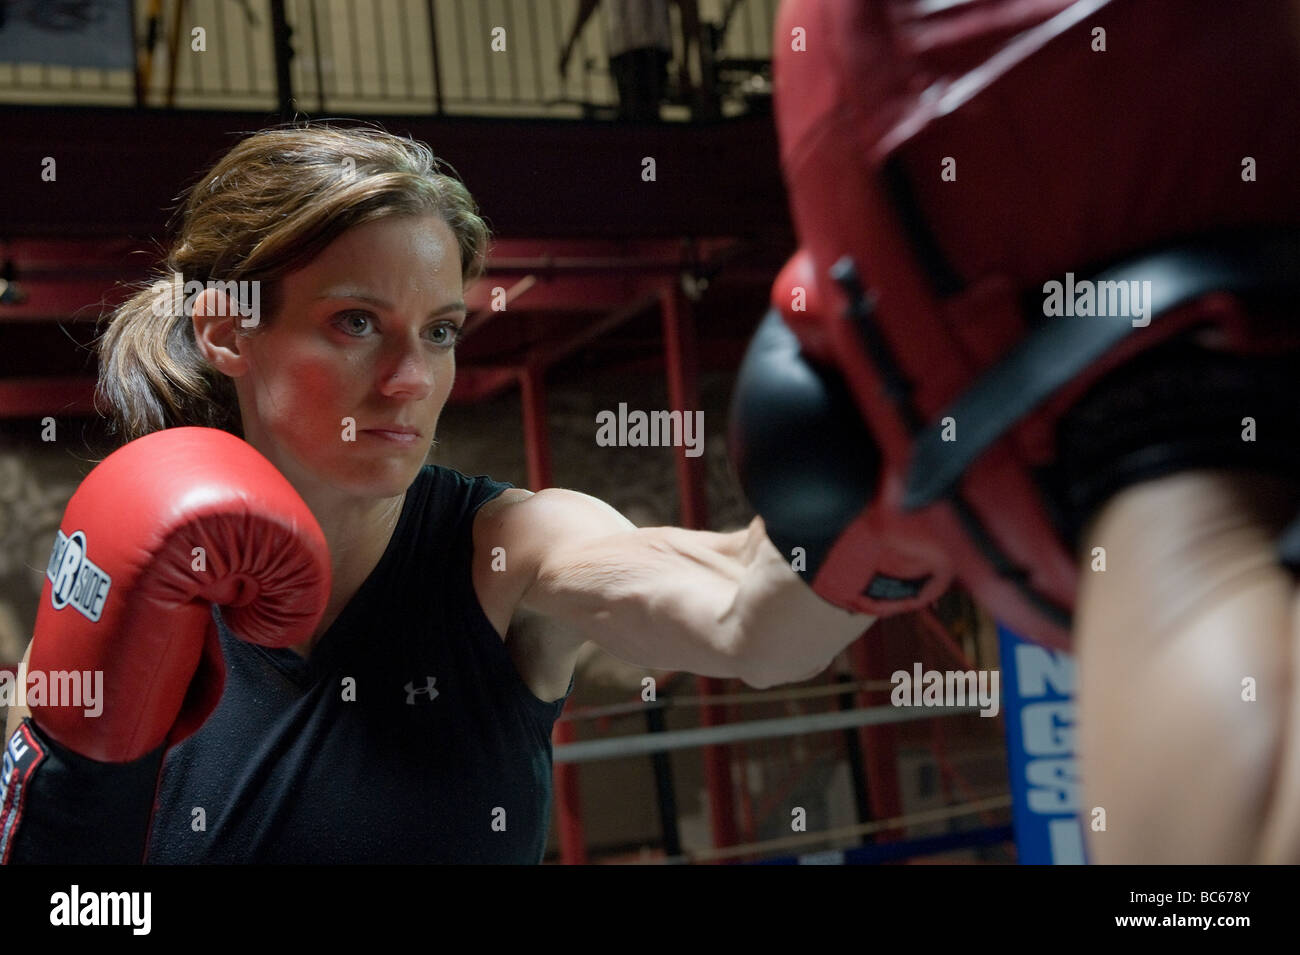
(409, 370)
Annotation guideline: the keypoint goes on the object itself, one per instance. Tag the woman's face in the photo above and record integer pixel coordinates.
(344, 386)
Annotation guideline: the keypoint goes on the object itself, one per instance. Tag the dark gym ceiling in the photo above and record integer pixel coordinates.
(583, 245)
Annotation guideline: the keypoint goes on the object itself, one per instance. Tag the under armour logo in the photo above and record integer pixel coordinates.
(427, 690)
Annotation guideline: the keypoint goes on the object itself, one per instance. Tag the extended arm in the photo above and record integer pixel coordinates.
(724, 605)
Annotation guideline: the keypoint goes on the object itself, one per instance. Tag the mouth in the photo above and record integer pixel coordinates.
(405, 437)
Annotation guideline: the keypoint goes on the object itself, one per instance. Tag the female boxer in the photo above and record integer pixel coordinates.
(413, 723)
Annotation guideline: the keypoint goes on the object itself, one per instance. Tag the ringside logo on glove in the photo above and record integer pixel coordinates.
(75, 579)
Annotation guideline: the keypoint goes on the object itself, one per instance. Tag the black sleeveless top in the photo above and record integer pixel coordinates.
(407, 736)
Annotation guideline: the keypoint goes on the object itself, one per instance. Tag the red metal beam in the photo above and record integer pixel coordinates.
(518, 255)
(547, 357)
(879, 743)
(930, 621)
(683, 395)
(588, 293)
(38, 397)
(537, 447)
(537, 438)
(480, 382)
(682, 366)
(598, 255)
(49, 299)
(74, 255)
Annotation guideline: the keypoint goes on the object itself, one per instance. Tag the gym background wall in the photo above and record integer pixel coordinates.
(615, 284)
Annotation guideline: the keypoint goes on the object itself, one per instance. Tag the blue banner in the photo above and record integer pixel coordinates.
(1039, 710)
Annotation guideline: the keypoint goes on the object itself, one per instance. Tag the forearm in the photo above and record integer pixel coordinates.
(1190, 762)
(724, 605)
(784, 632)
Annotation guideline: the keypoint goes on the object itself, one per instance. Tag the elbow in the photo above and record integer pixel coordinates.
(758, 681)
(764, 677)
(754, 669)
(763, 666)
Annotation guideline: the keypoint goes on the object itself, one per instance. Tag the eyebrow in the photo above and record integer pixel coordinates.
(362, 296)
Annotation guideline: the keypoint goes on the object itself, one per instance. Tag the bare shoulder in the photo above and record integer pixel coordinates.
(516, 531)
(513, 534)
(580, 513)
(495, 520)
(491, 510)
(499, 580)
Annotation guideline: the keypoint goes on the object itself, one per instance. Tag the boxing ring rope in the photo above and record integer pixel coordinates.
(756, 696)
(644, 744)
(935, 630)
(733, 733)
(978, 807)
(932, 632)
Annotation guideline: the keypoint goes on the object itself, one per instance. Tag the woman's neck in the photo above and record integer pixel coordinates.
(357, 532)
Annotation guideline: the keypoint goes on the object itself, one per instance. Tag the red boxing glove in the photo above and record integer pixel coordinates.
(162, 529)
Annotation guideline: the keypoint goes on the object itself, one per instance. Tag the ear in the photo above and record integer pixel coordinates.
(216, 332)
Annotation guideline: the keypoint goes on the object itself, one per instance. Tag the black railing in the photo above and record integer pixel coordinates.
(474, 57)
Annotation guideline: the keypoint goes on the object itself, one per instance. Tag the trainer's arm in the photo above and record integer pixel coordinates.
(1193, 605)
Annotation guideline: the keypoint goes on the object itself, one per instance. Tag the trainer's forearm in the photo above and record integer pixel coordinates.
(1186, 647)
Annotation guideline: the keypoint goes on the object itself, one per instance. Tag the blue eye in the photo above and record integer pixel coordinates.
(346, 322)
(357, 323)
(451, 335)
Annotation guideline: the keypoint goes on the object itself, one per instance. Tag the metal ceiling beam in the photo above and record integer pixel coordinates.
(55, 300)
(38, 397)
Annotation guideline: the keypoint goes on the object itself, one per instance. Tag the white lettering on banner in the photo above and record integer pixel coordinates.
(1066, 838)
(1047, 728)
